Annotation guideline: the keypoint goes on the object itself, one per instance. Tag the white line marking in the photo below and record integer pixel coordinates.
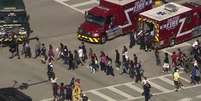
(48, 99)
(167, 81)
(65, 4)
(83, 3)
(160, 93)
(128, 84)
(103, 96)
(65, 0)
(186, 80)
(198, 96)
(158, 87)
(134, 87)
(120, 92)
(186, 99)
(87, 9)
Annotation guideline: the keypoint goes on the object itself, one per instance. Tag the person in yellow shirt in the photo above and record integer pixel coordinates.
(176, 78)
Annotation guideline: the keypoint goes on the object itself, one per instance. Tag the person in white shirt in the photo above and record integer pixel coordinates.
(81, 54)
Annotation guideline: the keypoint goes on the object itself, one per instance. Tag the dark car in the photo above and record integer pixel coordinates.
(13, 94)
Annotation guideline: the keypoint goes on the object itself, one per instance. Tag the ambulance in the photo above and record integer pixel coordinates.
(171, 23)
(111, 18)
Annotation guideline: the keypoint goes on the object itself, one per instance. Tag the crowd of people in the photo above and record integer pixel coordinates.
(132, 66)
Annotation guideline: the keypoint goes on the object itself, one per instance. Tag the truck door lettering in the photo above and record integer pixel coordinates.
(179, 33)
(139, 6)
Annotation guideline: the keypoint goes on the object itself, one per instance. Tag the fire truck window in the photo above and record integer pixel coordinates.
(200, 15)
(109, 20)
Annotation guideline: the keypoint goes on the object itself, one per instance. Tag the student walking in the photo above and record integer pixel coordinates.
(157, 55)
(37, 48)
(146, 88)
(43, 53)
(117, 59)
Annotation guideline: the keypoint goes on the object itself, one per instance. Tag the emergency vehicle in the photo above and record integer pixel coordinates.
(111, 18)
(171, 23)
(13, 21)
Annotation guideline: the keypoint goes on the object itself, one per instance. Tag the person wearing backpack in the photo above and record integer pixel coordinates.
(146, 88)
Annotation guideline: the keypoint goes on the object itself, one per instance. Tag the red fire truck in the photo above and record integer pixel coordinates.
(171, 23)
(111, 18)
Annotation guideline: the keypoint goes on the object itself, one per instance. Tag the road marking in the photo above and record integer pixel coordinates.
(48, 99)
(120, 92)
(83, 3)
(134, 87)
(129, 84)
(160, 93)
(103, 96)
(186, 80)
(65, 0)
(65, 4)
(186, 99)
(198, 96)
(167, 81)
(158, 87)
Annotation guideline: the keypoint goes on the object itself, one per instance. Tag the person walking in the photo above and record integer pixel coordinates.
(37, 48)
(176, 79)
(166, 64)
(157, 56)
(117, 59)
(68, 93)
(71, 65)
(43, 53)
(51, 53)
(61, 92)
(132, 39)
(27, 49)
(50, 70)
(76, 59)
(103, 61)
(174, 58)
(60, 51)
(146, 88)
(135, 59)
(131, 69)
(125, 52)
(109, 68)
(81, 55)
(138, 73)
(55, 87)
(84, 52)
(65, 54)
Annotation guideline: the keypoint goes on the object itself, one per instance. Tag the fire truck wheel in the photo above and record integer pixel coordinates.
(103, 39)
(172, 42)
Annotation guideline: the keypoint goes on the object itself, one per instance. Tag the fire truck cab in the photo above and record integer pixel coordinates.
(110, 19)
(171, 23)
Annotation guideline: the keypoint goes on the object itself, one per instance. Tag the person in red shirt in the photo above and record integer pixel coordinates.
(61, 92)
(55, 87)
(174, 59)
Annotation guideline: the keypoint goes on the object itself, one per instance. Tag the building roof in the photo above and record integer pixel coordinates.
(120, 2)
(165, 11)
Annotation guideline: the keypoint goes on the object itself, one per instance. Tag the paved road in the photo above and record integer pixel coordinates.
(57, 21)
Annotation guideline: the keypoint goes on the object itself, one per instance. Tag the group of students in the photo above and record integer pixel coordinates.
(69, 92)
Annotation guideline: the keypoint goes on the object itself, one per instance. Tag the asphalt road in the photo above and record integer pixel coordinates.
(55, 21)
